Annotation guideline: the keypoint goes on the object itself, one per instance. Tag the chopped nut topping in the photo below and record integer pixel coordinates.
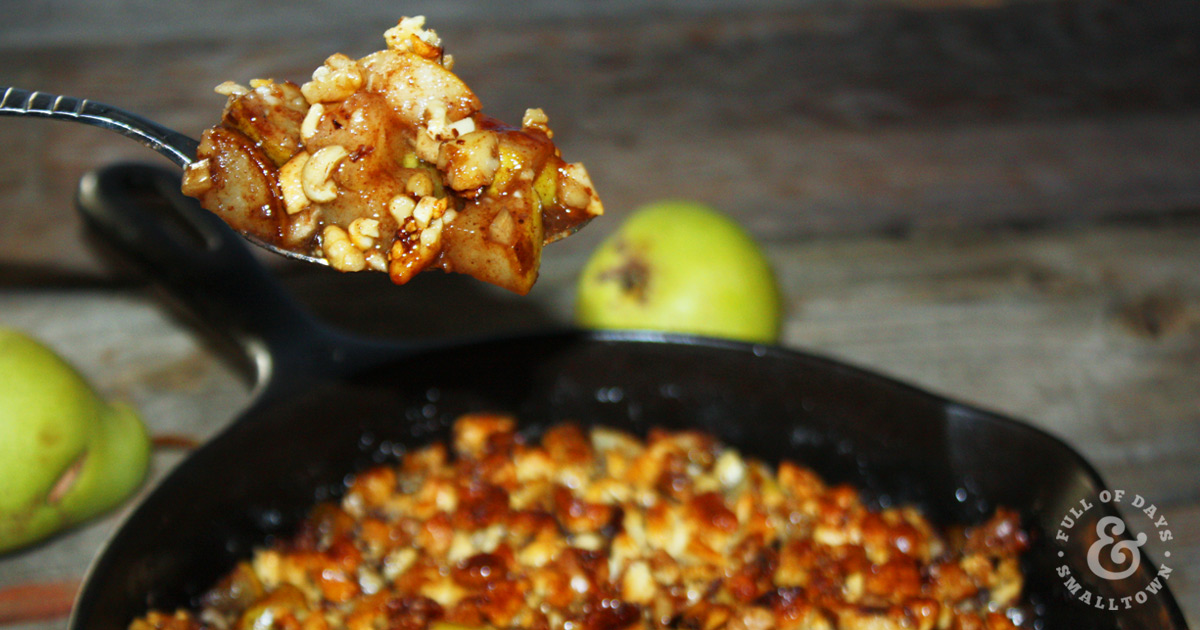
(371, 138)
(410, 35)
(363, 233)
(197, 178)
(291, 185)
(419, 240)
(599, 530)
(309, 127)
(340, 250)
(535, 118)
(335, 81)
(229, 88)
(401, 208)
(316, 177)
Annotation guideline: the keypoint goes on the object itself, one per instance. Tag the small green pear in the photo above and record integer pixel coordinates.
(680, 266)
(65, 454)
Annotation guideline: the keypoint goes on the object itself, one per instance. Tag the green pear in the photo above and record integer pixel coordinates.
(684, 267)
(65, 454)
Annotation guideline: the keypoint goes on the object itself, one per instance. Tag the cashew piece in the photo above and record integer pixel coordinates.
(363, 232)
(401, 207)
(340, 252)
(291, 183)
(317, 176)
(308, 128)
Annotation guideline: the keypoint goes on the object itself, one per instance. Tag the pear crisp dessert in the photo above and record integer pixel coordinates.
(387, 163)
(596, 529)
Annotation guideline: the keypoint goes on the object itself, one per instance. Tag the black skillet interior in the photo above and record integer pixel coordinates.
(330, 404)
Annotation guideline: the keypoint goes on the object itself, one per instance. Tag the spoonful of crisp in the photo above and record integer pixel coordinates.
(383, 163)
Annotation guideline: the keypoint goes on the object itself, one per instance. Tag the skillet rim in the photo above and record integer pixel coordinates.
(1024, 430)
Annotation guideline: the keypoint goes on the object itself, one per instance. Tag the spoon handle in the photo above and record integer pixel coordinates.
(140, 213)
(177, 147)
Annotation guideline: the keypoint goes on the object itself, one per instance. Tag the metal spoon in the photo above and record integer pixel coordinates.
(177, 147)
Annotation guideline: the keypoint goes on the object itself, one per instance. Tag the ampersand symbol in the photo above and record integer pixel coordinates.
(1122, 552)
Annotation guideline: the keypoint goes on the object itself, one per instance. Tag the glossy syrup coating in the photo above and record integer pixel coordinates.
(600, 530)
(387, 163)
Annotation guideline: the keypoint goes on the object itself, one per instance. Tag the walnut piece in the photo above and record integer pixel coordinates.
(373, 139)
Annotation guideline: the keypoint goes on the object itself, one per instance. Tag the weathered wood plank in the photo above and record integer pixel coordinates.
(141, 22)
(129, 348)
(800, 122)
(1084, 332)
(943, 123)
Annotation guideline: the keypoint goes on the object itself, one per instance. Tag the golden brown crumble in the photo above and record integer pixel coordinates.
(598, 530)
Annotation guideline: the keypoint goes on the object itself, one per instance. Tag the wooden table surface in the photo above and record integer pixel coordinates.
(997, 201)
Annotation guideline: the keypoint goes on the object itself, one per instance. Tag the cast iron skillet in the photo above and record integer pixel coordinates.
(328, 404)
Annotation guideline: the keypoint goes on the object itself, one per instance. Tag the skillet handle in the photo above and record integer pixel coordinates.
(201, 262)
